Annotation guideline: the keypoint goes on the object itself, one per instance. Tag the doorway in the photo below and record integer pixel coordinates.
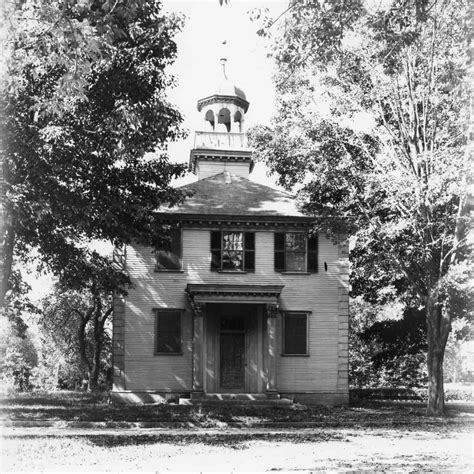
(232, 351)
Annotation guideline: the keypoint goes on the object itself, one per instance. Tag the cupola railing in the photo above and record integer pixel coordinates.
(221, 140)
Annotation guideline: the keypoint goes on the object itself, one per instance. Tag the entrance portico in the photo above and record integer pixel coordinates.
(234, 337)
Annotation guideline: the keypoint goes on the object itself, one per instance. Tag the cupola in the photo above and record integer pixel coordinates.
(221, 145)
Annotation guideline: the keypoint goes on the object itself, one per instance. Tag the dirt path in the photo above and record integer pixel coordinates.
(406, 450)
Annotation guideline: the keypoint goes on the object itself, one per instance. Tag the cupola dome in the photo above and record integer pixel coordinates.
(226, 92)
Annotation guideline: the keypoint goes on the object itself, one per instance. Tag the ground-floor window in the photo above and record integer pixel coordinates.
(168, 331)
(295, 333)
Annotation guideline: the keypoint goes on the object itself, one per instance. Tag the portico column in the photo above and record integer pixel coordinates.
(271, 312)
(198, 347)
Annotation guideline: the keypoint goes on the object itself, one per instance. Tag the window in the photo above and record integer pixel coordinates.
(295, 334)
(295, 252)
(167, 331)
(168, 253)
(232, 251)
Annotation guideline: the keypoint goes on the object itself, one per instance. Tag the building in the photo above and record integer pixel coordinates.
(242, 299)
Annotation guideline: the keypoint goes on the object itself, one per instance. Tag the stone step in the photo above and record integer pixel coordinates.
(234, 396)
(216, 403)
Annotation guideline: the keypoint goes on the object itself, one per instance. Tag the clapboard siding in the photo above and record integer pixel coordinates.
(315, 293)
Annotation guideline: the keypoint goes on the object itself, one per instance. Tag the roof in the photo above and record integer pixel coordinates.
(240, 197)
(226, 87)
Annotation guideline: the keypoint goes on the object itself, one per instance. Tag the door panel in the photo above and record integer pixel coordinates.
(232, 361)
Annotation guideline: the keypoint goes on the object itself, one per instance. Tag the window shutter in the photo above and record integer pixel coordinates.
(279, 251)
(313, 253)
(168, 257)
(216, 250)
(249, 238)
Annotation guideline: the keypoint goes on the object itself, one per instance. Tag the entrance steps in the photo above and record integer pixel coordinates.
(233, 399)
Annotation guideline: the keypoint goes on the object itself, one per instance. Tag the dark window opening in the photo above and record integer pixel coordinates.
(168, 253)
(168, 331)
(295, 334)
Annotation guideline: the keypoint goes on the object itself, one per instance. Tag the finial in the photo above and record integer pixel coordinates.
(223, 58)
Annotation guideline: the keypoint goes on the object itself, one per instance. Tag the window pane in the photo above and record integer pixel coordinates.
(295, 241)
(233, 241)
(295, 334)
(295, 262)
(168, 254)
(168, 331)
(232, 260)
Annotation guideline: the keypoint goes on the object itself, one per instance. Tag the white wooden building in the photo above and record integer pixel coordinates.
(243, 299)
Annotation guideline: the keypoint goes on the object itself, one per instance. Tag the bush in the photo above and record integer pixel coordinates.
(384, 393)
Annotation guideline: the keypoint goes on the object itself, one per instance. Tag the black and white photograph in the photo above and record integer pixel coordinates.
(237, 236)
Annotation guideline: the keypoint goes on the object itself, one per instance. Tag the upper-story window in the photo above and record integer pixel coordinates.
(232, 251)
(168, 253)
(296, 252)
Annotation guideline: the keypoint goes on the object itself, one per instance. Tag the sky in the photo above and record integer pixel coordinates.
(198, 69)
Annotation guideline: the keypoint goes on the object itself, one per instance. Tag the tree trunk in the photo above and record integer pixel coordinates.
(6, 257)
(82, 346)
(438, 327)
(95, 368)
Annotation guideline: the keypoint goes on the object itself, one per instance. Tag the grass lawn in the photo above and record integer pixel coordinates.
(375, 436)
(81, 406)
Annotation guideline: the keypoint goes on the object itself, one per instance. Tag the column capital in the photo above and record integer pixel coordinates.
(271, 309)
(198, 308)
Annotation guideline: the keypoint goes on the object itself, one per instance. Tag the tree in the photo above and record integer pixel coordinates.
(372, 122)
(84, 102)
(77, 314)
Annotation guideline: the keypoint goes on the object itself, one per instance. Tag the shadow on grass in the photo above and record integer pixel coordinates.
(233, 441)
(89, 407)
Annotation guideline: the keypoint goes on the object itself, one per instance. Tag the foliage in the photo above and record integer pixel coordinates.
(83, 103)
(372, 124)
(387, 345)
(18, 357)
(77, 325)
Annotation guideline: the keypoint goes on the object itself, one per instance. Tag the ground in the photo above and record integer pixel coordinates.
(383, 436)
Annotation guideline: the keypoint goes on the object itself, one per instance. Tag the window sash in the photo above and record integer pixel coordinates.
(295, 252)
(295, 334)
(232, 251)
(168, 331)
(168, 254)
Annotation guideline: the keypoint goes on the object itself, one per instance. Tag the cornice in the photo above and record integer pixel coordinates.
(241, 222)
(201, 291)
(229, 156)
(223, 98)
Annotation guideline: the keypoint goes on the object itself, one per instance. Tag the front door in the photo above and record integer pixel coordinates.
(232, 361)
(232, 352)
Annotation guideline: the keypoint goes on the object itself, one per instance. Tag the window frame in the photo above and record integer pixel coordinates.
(156, 312)
(163, 250)
(290, 314)
(246, 251)
(311, 253)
